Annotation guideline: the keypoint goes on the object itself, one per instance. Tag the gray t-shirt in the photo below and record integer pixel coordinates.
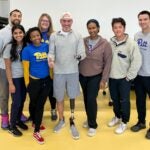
(143, 41)
(16, 66)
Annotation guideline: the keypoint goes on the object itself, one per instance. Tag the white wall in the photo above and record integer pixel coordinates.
(82, 10)
(4, 8)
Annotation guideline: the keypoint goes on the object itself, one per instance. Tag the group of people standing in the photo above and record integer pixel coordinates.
(45, 64)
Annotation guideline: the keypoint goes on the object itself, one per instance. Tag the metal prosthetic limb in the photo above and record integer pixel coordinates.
(74, 131)
(72, 106)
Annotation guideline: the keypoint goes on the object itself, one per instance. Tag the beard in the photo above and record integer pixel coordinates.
(15, 22)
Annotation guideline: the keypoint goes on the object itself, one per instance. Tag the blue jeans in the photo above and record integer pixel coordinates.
(18, 99)
(120, 95)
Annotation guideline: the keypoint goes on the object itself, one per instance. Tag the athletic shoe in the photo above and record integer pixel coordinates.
(121, 128)
(148, 134)
(91, 132)
(74, 132)
(53, 115)
(5, 122)
(14, 131)
(59, 125)
(114, 121)
(139, 126)
(37, 136)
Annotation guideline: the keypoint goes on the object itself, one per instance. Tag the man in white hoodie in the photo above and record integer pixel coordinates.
(5, 37)
(125, 64)
(142, 81)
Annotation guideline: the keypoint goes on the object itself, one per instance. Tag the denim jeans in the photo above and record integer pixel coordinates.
(18, 99)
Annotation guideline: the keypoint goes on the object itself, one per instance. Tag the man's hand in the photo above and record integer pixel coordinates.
(12, 88)
(103, 85)
(50, 63)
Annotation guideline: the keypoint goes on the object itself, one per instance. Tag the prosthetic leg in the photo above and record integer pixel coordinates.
(74, 131)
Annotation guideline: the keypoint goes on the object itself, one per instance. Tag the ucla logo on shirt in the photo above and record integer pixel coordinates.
(40, 55)
(143, 44)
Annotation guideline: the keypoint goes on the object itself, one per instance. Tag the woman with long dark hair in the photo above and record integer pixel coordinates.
(14, 71)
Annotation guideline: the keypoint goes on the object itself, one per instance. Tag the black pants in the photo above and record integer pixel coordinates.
(142, 88)
(90, 88)
(38, 91)
(120, 95)
(18, 99)
(51, 98)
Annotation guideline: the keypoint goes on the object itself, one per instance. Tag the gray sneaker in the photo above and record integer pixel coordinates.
(59, 125)
(74, 132)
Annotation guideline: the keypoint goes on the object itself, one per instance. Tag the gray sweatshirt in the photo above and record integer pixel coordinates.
(143, 41)
(63, 50)
(126, 60)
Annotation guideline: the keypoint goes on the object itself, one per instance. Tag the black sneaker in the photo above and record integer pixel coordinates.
(148, 134)
(53, 115)
(15, 131)
(138, 127)
(22, 126)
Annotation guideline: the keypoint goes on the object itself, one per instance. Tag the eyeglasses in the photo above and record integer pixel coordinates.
(46, 21)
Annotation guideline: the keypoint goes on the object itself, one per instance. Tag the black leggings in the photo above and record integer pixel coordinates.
(38, 91)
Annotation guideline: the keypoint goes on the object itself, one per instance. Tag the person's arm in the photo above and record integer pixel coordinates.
(6, 56)
(107, 65)
(80, 48)
(12, 88)
(26, 71)
(26, 64)
(51, 53)
(136, 62)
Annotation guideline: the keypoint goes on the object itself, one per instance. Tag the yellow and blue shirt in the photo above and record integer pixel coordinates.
(37, 58)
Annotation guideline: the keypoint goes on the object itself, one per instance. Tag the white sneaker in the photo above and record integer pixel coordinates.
(85, 124)
(91, 132)
(121, 128)
(114, 121)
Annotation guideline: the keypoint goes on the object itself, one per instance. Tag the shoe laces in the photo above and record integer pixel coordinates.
(37, 134)
(122, 125)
